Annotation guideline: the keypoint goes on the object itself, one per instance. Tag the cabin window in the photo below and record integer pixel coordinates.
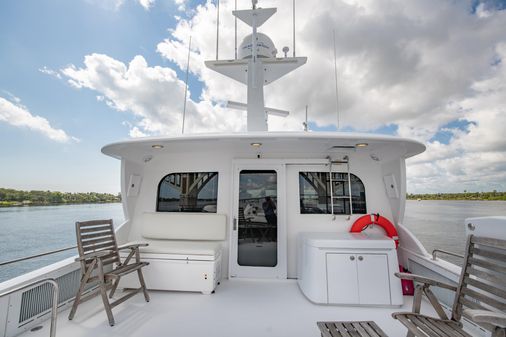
(315, 193)
(188, 192)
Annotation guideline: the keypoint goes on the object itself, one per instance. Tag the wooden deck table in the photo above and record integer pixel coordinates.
(350, 329)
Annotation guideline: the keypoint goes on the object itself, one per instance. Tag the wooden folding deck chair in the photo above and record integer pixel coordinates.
(101, 264)
(480, 295)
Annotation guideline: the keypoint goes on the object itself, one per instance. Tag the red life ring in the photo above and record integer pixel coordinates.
(375, 219)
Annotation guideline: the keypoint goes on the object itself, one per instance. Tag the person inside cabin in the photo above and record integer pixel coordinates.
(270, 211)
(249, 212)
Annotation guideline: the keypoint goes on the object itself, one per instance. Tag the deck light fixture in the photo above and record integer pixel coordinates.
(361, 145)
(157, 146)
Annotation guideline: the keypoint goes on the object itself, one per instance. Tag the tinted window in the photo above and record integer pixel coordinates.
(315, 193)
(188, 192)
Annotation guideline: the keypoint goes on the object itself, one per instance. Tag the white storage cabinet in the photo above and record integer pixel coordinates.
(348, 268)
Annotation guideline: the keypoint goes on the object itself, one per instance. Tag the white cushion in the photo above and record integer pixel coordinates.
(184, 226)
(211, 248)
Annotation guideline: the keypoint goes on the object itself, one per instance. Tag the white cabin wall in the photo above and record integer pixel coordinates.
(128, 168)
(368, 170)
(161, 166)
(396, 168)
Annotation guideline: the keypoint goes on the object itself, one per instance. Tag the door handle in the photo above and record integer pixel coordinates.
(234, 224)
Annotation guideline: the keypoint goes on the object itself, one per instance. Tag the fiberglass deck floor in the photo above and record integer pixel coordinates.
(242, 308)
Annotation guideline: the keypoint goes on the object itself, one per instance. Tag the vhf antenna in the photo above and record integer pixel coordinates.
(335, 77)
(217, 26)
(186, 83)
(293, 24)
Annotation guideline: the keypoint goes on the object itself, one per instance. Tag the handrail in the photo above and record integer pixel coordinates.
(54, 307)
(434, 257)
(37, 255)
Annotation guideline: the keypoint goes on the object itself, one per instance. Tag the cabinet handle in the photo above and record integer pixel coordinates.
(352, 258)
(360, 258)
(234, 226)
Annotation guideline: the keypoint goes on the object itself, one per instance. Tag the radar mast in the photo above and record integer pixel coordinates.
(256, 67)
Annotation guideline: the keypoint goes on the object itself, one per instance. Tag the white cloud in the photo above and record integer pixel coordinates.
(153, 94)
(474, 159)
(18, 115)
(147, 4)
(419, 65)
(181, 4)
(116, 4)
(50, 72)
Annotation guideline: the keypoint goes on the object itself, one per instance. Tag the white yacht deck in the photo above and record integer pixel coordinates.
(246, 308)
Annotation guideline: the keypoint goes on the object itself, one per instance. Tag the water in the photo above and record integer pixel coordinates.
(36, 229)
(31, 230)
(440, 223)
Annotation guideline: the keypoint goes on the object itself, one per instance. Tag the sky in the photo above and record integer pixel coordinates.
(76, 75)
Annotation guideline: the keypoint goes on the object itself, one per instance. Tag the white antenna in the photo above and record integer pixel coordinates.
(186, 83)
(293, 19)
(305, 123)
(235, 23)
(335, 76)
(217, 25)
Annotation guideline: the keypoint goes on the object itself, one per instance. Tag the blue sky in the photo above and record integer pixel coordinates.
(75, 75)
(52, 34)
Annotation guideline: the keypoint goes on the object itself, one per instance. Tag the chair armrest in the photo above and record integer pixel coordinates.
(495, 318)
(425, 280)
(93, 255)
(133, 245)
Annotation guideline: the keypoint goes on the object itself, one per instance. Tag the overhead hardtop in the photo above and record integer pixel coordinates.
(284, 144)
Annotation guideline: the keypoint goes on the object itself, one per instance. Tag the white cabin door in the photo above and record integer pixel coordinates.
(258, 247)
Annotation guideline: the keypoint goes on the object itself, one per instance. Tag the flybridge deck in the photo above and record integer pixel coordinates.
(243, 308)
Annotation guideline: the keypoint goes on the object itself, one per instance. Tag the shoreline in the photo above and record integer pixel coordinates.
(442, 199)
(7, 204)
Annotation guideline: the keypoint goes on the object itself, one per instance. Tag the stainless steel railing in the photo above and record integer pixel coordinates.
(54, 307)
(435, 251)
(36, 255)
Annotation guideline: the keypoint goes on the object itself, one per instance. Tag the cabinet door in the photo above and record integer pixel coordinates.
(342, 285)
(373, 279)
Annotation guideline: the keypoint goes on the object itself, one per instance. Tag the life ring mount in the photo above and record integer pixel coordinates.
(376, 219)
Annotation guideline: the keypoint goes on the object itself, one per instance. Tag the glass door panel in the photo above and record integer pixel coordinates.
(257, 242)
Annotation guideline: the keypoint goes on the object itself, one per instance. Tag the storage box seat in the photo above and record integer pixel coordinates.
(184, 250)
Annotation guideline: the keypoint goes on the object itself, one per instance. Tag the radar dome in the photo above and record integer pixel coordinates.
(265, 47)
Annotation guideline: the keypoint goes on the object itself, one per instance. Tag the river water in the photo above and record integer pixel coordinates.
(441, 223)
(31, 230)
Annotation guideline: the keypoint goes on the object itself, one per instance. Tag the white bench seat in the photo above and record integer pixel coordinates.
(211, 249)
(184, 251)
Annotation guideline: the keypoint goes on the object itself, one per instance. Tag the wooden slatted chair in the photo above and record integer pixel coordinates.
(480, 295)
(101, 264)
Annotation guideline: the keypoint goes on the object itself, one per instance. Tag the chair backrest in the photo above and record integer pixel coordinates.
(482, 282)
(94, 236)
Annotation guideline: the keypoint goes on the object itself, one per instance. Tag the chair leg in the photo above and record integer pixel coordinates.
(115, 284)
(435, 304)
(107, 305)
(143, 285)
(499, 332)
(417, 303)
(77, 300)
